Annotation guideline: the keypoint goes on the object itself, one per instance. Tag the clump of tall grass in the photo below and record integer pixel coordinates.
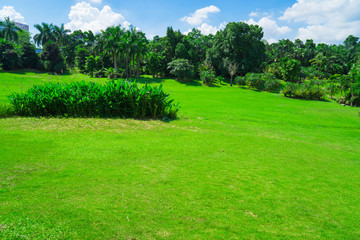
(88, 99)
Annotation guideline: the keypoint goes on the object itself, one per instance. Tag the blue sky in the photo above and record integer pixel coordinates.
(329, 21)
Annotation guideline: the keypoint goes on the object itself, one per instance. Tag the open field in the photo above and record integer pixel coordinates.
(236, 164)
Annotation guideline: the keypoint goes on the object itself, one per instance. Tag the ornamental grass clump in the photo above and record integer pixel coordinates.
(88, 99)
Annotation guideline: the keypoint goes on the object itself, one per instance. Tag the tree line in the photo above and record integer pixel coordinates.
(235, 52)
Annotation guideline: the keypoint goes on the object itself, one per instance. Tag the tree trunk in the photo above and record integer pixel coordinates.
(138, 68)
(115, 64)
(133, 65)
(127, 67)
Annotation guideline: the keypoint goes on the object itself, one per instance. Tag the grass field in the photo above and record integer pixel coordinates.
(237, 164)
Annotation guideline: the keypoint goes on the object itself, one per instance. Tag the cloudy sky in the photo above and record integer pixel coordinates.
(329, 21)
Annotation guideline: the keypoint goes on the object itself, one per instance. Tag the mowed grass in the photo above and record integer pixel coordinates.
(237, 164)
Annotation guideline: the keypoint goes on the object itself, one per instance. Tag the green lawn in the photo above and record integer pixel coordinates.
(236, 164)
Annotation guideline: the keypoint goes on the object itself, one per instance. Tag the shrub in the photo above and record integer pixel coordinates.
(207, 77)
(272, 85)
(239, 80)
(308, 91)
(254, 80)
(220, 79)
(83, 99)
(259, 81)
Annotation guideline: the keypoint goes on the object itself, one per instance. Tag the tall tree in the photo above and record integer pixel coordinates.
(113, 44)
(10, 30)
(239, 43)
(46, 33)
(60, 34)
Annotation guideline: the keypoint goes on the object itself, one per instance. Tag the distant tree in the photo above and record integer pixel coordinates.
(9, 55)
(80, 60)
(239, 43)
(52, 59)
(112, 40)
(60, 34)
(91, 65)
(46, 33)
(180, 68)
(10, 30)
(29, 58)
(290, 69)
(181, 51)
(24, 37)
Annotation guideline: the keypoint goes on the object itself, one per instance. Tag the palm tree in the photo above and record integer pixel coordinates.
(113, 44)
(60, 34)
(140, 49)
(46, 33)
(10, 30)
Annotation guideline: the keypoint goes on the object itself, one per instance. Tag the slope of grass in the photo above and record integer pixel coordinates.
(237, 164)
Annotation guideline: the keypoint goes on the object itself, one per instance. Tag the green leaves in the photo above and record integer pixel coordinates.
(89, 99)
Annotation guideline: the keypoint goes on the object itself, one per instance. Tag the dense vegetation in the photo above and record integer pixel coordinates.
(84, 99)
(236, 51)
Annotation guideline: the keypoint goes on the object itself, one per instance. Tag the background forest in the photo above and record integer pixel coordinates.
(237, 54)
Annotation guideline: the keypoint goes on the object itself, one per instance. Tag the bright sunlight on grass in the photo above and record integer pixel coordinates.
(236, 164)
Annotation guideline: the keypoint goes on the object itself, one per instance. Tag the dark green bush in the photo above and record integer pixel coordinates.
(239, 80)
(272, 85)
(88, 99)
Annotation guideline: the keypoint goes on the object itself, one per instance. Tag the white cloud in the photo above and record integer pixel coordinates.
(85, 17)
(9, 11)
(207, 29)
(96, 1)
(200, 15)
(254, 14)
(271, 29)
(327, 21)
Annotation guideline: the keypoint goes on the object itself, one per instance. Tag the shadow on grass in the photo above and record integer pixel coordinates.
(144, 80)
(190, 82)
(36, 71)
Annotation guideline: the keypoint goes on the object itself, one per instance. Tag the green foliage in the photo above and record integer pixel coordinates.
(10, 59)
(181, 68)
(207, 73)
(239, 80)
(290, 69)
(308, 91)
(9, 31)
(9, 55)
(29, 58)
(92, 64)
(80, 58)
(156, 64)
(53, 60)
(240, 44)
(207, 77)
(260, 81)
(254, 80)
(6, 110)
(82, 99)
(181, 51)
